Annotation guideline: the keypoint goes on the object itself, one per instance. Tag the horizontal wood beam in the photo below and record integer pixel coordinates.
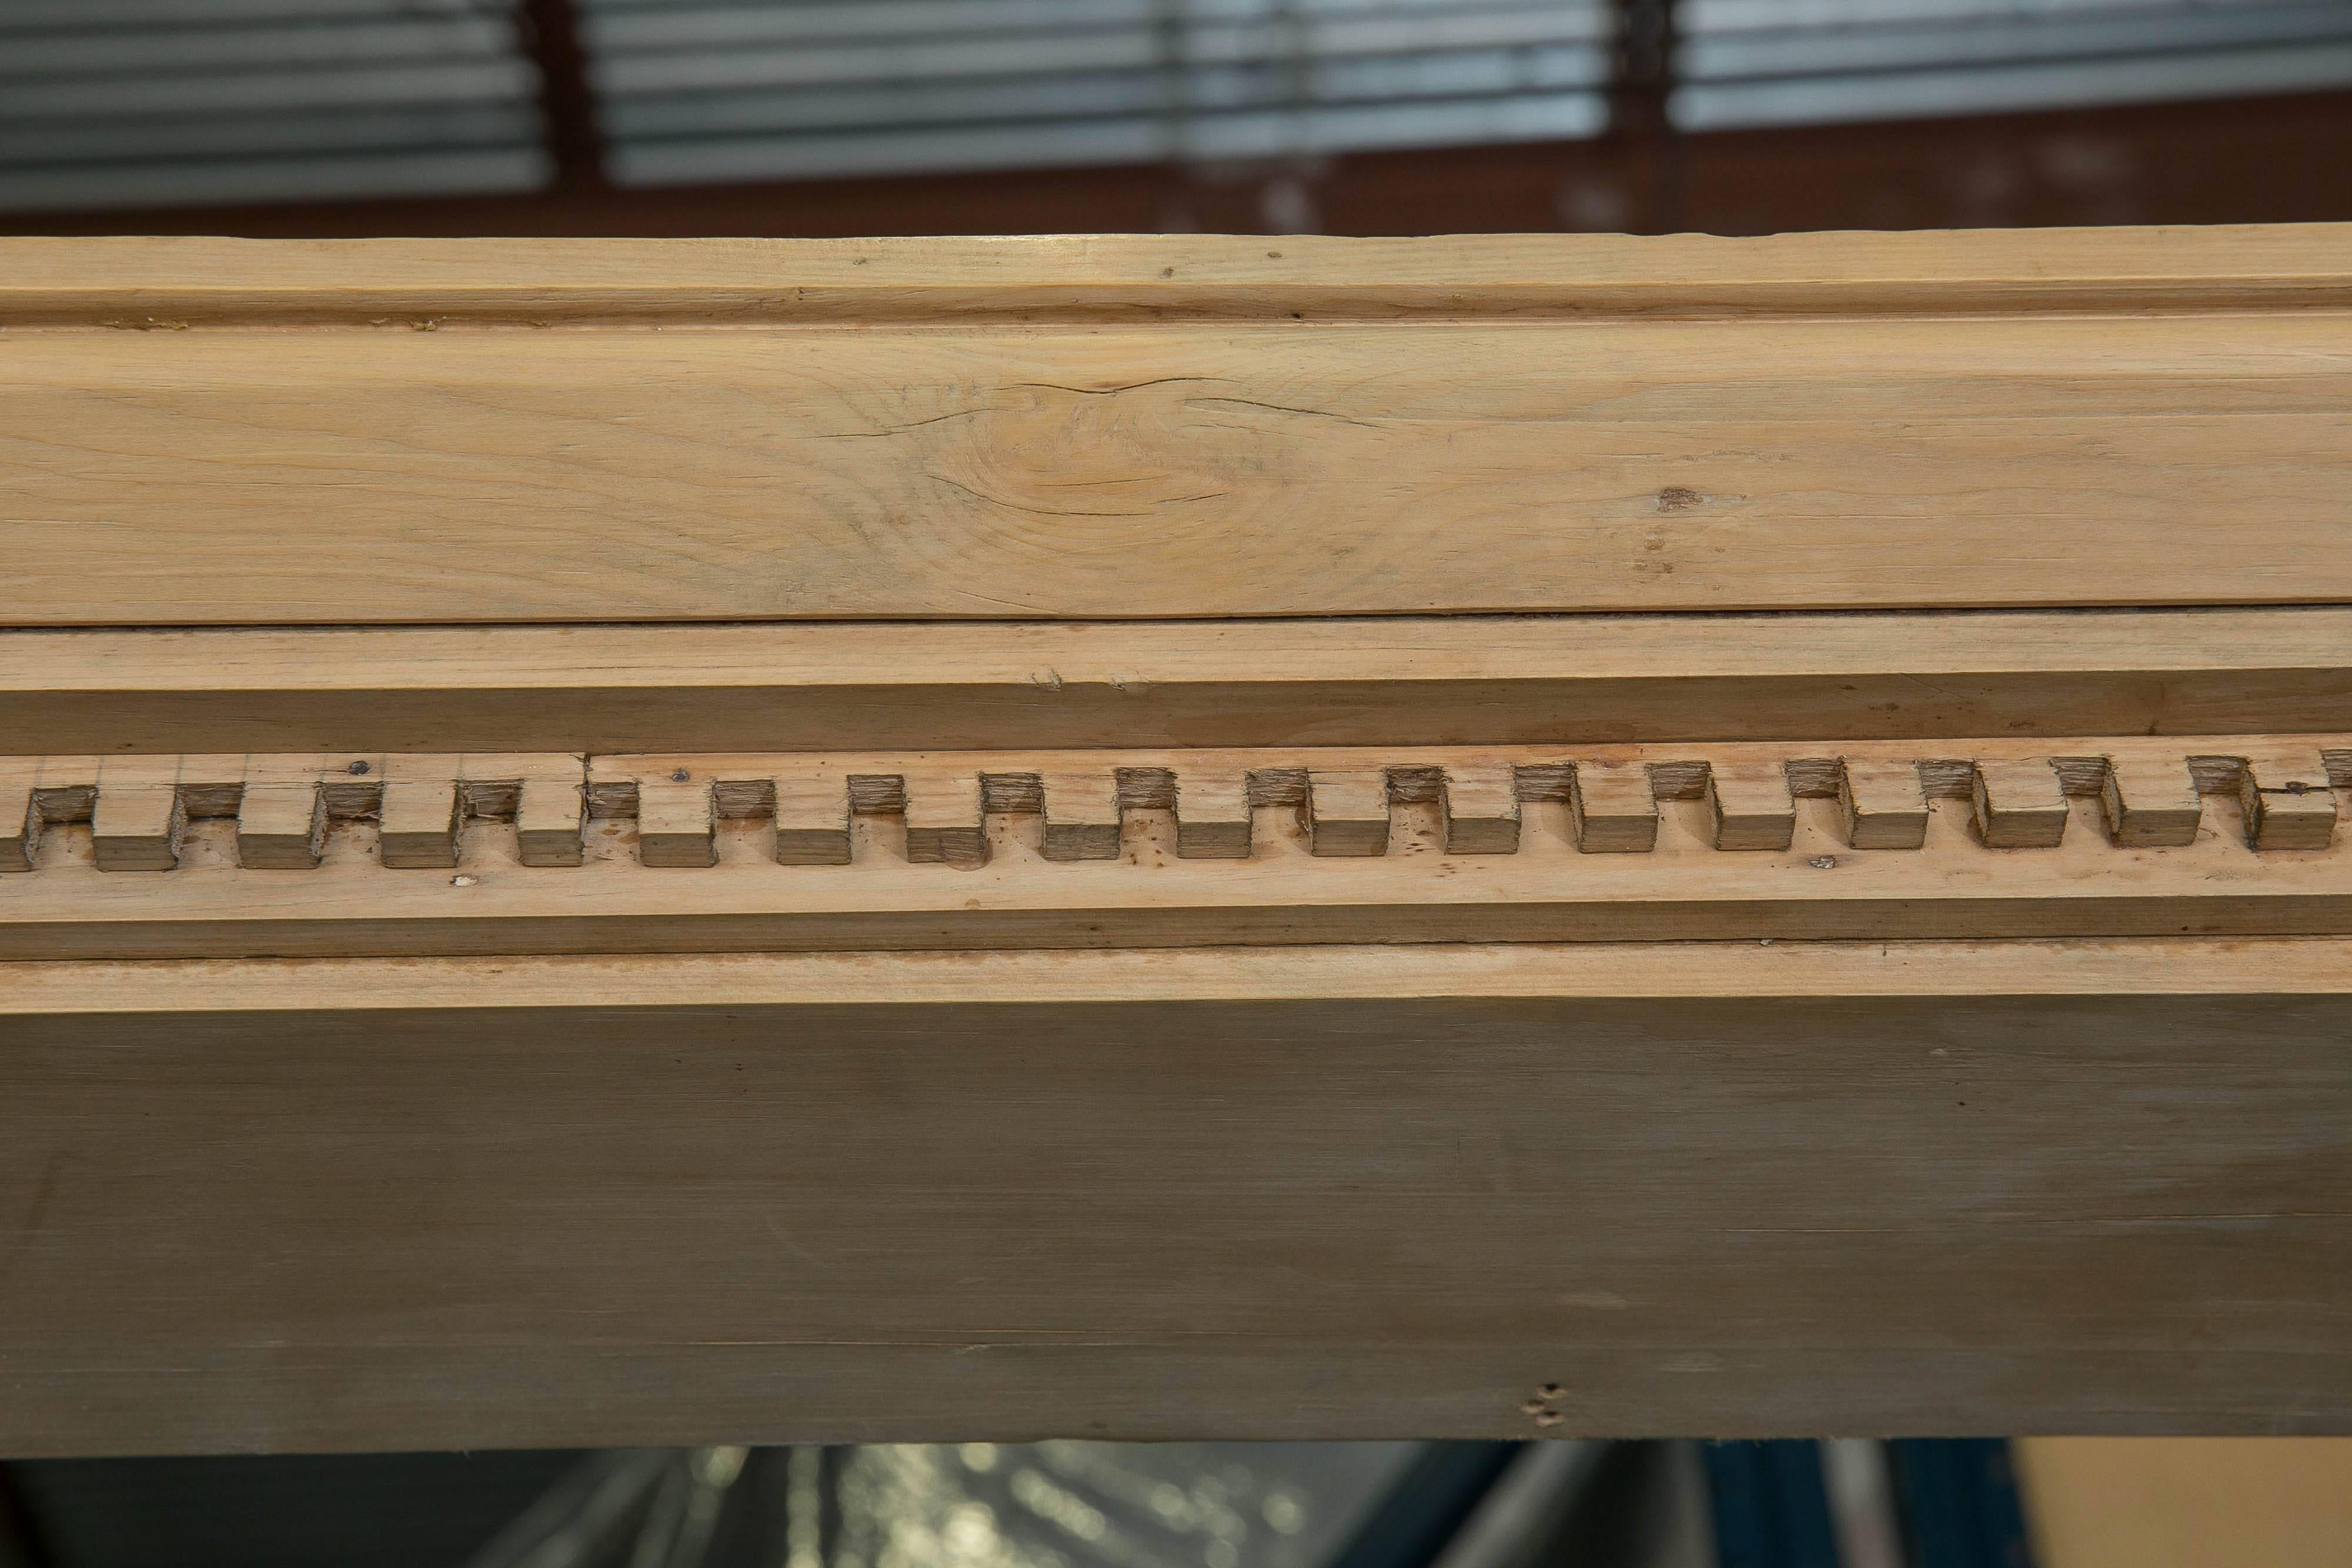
(1145, 428)
(1747, 1189)
(1410, 681)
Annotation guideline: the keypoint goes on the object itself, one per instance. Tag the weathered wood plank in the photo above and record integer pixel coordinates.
(1742, 1189)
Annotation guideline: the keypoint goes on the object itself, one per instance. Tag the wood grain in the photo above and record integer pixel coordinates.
(1414, 681)
(881, 467)
(1748, 1190)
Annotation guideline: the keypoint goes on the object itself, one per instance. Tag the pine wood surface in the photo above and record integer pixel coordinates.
(1973, 433)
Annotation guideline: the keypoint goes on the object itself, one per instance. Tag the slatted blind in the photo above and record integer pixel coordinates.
(1778, 62)
(695, 90)
(133, 102)
(111, 103)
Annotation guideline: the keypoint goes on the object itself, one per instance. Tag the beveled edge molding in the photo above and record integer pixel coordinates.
(2149, 793)
(177, 283)
(1540, 680)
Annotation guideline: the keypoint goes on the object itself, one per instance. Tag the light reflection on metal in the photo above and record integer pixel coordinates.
(1102, 1505)
(973, 1505)
(672, 1497)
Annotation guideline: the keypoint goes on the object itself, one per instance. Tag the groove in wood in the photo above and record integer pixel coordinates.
(138, 808)
(2149, 793)
(1953, 886)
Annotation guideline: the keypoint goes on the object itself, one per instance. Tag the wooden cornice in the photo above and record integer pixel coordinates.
(1167, 838)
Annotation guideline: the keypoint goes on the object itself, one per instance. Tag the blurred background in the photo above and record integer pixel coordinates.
(1941, 1503)
(1367, 117)
(308, 118)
